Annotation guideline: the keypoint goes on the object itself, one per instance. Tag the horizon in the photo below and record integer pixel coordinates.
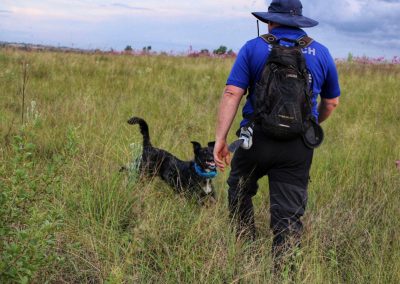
(190, 52)
(356, 27)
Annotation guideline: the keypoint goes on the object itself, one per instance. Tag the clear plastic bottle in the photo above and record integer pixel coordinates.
(246, 134)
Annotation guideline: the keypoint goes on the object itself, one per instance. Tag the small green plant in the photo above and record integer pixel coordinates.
(27, 236)
(71, 146)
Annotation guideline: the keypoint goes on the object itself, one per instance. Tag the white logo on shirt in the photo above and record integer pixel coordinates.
(307, 50)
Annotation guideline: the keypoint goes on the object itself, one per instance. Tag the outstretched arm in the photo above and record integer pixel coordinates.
(326, 107)
(226, 113)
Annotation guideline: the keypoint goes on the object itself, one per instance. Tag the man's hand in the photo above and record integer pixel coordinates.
(222, 156)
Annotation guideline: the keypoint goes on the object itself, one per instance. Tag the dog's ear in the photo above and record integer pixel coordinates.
(196, 146)
(211, 144)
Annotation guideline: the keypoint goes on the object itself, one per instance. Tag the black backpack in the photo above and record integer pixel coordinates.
(282, 97)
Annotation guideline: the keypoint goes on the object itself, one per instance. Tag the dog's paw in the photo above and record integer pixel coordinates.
(208, 201)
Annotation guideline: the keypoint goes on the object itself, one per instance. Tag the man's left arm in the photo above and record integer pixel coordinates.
(330, 90)
(326, 107)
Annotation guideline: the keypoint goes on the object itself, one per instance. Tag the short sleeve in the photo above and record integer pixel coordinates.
(330, 89)
(240, 73)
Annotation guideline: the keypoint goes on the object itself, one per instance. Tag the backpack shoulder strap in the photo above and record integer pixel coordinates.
(305, 41)
(270, 38)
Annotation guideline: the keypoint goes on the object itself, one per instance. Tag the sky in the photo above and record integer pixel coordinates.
(359, 27)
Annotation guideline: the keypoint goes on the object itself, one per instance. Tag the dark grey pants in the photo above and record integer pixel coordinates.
(287, 165)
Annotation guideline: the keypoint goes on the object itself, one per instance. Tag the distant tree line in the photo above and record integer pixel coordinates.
(129, 48)
(222, 50)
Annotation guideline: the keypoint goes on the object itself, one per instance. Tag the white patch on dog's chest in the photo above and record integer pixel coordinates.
(207, 188)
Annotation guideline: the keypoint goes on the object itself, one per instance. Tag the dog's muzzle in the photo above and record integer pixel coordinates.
(211, 165)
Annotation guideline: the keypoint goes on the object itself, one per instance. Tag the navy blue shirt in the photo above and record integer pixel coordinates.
(252, 57)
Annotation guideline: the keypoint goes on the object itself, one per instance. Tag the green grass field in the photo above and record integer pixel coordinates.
(68, 216)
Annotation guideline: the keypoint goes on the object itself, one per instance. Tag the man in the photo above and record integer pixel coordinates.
(286, 163)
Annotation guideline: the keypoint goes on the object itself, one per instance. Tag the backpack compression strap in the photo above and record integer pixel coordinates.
(303, 41)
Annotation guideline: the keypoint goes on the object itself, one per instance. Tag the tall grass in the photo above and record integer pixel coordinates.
(68, 215)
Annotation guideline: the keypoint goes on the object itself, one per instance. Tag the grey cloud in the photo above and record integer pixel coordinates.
(373, 21)
(5, 12)
(390, 1)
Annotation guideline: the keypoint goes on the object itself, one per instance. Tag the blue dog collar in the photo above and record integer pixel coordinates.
(203, 173)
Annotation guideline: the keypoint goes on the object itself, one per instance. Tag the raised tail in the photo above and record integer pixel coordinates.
(144, 129)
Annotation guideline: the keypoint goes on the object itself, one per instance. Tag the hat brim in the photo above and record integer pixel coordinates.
(313, 135)
(286, 19)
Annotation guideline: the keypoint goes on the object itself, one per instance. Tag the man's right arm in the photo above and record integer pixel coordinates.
(226, 113)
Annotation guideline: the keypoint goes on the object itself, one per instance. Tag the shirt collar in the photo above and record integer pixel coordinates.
(288, 32)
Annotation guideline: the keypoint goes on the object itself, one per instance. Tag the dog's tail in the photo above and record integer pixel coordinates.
(144, 129)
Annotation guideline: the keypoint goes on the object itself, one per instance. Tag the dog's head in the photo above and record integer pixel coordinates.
(204, 156)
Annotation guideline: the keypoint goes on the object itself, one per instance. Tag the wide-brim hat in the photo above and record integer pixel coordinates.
(313, 135)
(286, 12)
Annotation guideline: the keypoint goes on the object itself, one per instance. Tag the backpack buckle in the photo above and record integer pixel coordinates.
(302, 43)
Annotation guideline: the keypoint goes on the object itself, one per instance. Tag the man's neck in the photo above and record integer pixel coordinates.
(272, 26)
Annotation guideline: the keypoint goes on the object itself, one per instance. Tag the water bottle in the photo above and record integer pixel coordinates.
(246, 134)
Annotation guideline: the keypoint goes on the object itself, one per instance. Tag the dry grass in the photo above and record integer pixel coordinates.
(69, 216)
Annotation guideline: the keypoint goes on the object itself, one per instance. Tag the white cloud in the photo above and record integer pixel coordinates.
(82, 9)
(364, 25)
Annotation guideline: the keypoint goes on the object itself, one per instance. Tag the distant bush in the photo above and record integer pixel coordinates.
(204, 51)
(220, 50)
(128, 48)
(147, 48)
(350, 57)
(231, 53)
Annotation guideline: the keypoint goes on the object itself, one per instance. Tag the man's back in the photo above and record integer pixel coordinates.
(253, 55)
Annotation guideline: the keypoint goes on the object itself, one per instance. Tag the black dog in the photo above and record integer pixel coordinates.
(188, 177)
